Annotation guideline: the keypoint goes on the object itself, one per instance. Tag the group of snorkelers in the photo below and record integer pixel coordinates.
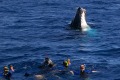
(48, 64)
(83, 72)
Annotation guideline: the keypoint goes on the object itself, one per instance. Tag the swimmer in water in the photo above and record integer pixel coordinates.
(7, 73)
(84, 73)
(66, 63)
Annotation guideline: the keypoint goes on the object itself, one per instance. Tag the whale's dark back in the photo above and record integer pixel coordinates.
(76, 22)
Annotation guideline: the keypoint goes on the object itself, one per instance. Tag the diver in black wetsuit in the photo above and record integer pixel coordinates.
(7, 73)
(47, 63)
(84, 73)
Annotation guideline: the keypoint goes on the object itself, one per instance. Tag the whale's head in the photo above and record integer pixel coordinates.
(79, 21)
(80, 13)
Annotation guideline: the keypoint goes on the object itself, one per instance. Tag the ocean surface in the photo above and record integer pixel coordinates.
(30, 30)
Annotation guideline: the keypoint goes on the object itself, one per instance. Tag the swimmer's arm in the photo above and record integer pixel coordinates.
(91, 71)
(88, 71)
(95, 71)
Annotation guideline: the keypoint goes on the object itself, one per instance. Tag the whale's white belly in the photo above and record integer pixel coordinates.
(84, 25)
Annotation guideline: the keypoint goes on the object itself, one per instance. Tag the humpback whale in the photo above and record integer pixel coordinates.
(79, 21)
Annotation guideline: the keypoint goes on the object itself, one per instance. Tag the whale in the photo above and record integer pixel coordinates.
(79, 21)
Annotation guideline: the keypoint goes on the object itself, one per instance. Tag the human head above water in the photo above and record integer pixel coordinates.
(6, 69)
(82, 67)
(68, 60)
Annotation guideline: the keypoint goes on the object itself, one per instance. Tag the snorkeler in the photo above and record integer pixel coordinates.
(84, 73)
(66, 63)
(7, 73)
(47, 63)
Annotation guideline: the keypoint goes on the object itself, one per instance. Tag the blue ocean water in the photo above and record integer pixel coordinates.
(33, 29)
